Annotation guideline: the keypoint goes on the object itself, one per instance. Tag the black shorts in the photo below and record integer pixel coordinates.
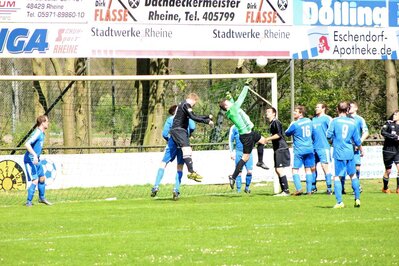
(282, 158)
(180, 136)
(389, 158)
(249, 140)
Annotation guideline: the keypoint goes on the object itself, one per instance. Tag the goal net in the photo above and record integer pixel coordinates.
(105, 132)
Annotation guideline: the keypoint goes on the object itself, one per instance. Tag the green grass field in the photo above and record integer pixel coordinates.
(209, 225)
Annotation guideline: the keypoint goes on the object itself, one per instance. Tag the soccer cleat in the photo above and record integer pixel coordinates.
(339, 205)
(194, 176)
(360, 189)
(387, 191)
(176, 195)
(297, 193)
(329, 192)
(247, 190)
(29, 204)
(314, 191)
(154, 191)
(357, 203)
(283, 194)
(232, 181)
(262, 165)
(343, 192)
(46, 202)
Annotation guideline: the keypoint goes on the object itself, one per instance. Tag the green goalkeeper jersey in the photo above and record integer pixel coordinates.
(239, 118)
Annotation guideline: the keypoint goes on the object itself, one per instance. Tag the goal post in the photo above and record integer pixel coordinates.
(102, 84)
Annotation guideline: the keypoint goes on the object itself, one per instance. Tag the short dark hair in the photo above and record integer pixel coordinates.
(172, 109)
(41, 119)
(343, 107)
(301, 109)
(273, 109)
(222, 104)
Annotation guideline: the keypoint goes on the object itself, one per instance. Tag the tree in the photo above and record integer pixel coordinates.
(65, 67)
(149, 103)
(391, 87)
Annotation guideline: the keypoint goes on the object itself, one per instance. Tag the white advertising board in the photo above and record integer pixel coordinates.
(116, 169)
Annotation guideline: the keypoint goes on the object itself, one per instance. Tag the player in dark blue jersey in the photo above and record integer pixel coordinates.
(282, 158)
(236, 152)
(171, 152)
(34, 169)
(390, 150)
(301, 130)
(343, 134)
(321, 146)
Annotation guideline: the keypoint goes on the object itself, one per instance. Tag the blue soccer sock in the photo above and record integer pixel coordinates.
(42, 188)
(309, 183)
(31, 192)
(179, 174)
(314, 179)
(159, 177)
(238, 183)
(338, 190)
(356, 187)
(342, 183)
(248, 180)
(328, 181)
(297, 182)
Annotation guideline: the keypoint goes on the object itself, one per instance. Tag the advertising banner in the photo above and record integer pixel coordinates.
(298, 29)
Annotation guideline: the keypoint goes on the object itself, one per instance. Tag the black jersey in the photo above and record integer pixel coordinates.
(184, 112)
(277, 128)
(390, 133)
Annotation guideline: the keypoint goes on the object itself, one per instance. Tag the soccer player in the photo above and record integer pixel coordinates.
(248, 137)
(281, 151)
(301, 130)
(343, 133)
(178, 132)
(236, 153)
(34, 169)
(390, 150)
(171, 152)
(364, 133)
(321, 146)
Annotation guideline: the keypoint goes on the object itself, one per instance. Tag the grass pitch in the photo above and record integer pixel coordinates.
(215, 227)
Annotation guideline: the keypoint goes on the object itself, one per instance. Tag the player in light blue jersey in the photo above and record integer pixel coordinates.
(171, 152)
(301, 130)
(364, 133)
(34, 169)
(236, 151)
(321, 146)
(343, 134)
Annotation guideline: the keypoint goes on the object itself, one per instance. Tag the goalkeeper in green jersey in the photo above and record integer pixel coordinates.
(244, 125)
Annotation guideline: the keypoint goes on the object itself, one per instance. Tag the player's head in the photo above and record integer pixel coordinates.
(225, 104)
(394, 116)
(172, 109)
(320, 109)
(42, 121)
(353, 107)
(299, 111)
(271, 113)
(192, 98)
(342, 108)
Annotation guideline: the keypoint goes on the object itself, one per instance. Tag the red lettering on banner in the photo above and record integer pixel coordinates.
(110, 14)
(261, 17)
